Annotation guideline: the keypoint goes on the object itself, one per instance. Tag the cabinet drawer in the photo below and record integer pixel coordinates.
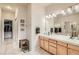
(61, 50)
(62, 43)
(72, 52)
(52, 41)
(52, 44)
(52, 50)
(73, 47)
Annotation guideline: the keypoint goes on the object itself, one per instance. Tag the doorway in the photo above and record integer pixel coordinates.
(8, 32)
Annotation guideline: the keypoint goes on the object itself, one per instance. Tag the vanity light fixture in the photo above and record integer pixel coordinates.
(63, 12)
(47, 16)
(50, 16)
(8, 7)
(69, 10)
(54, 15)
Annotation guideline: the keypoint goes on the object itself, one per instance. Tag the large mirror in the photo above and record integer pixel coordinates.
(67, 24)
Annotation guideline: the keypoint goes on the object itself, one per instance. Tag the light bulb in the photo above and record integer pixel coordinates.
(54, 15)
(69, 10)
(63, 12)
(8, 7)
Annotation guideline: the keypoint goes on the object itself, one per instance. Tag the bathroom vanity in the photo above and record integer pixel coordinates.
(65, 40)
(59, 44)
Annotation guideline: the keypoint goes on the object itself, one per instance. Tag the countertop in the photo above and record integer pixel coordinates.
(63, 38)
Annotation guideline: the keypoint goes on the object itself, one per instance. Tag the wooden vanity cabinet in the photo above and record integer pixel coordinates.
(58, 47)
(52, 46)
(41, 42)
(73, 50)
(61, 48)
(46, 44)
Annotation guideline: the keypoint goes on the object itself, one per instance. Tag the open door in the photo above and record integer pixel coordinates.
(8, 32)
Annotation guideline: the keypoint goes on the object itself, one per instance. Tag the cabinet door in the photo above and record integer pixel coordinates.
(41, 43)
(74, 47)
(73, 52)
(46, 45)
(52, 50)
(61, 50)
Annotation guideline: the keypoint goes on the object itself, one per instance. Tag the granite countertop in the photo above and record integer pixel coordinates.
(63, 38)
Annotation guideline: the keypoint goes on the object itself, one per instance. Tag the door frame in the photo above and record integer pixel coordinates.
(12, 28)
(2, 26)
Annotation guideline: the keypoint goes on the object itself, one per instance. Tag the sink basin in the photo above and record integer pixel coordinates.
(74, 38)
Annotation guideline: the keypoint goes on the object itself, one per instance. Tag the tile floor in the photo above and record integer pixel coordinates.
(9, 49)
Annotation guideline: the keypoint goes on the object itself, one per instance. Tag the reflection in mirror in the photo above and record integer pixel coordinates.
(66, 25)
(65, 22)
(49, 25)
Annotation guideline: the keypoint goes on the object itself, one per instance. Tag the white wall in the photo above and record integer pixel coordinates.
(0, 28)
(28, 25)
(21, 15)
(37, 17)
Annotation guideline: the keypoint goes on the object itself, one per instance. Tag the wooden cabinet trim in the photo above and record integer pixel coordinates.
(52, 41)
(61, 43)
(52, 44)
(63, 46)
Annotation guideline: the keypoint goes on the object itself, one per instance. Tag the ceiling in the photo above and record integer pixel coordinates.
(56, 6)
(12, 6)
(53, 7)
(43, 4)
(48, 6)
